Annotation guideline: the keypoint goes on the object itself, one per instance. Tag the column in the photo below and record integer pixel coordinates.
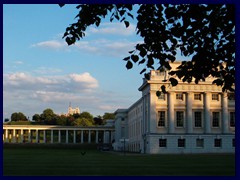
(14, 136)
(152, 116)
(6, 135)
(225, 124)
(170, 112)
(189, 123)
(67, 136)
(207, 121)
(74, 136)
(21, 136)
(59, 136)
(36, 136)
(29, 135)
(51, 136)
(104, 136)
(81, 136)
(44, 136)
(89, 136)
(96, 136)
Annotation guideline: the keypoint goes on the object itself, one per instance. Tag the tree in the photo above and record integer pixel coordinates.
(86, 115)
(48, 116)
(98, 120)
(18, 117)
(82, 122)
(36, 118)
(108, 116)
(204, 33)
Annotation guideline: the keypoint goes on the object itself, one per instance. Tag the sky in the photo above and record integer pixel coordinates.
(41, 71)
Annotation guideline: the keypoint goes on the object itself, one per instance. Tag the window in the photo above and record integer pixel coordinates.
(179, 96)
(179, 118)
(181, 142)
(231, 96)
(162, 96)
(122, 132)
(198, 118)
(197, 96)
(232, 119)
(233, 142)
(161, 118)
(215, 97)
(162, 142)
(199, 143)
(215, 119)
(217, 142)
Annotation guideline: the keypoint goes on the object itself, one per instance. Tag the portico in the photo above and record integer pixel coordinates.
(56, 134)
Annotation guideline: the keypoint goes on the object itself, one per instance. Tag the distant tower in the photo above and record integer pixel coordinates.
(72, 111)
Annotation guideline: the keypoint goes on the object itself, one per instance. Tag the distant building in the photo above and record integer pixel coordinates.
(72, 111)
(189, 118)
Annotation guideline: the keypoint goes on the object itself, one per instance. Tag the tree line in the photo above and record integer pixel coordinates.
(48, 117)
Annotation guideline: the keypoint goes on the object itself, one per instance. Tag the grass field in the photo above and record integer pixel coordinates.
(50, 160)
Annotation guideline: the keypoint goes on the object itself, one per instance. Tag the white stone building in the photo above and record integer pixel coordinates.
(190, 118)
(72, 111)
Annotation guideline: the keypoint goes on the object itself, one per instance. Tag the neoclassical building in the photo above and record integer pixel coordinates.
(189, 118)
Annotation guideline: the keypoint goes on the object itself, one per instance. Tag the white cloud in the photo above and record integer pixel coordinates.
(113, 28)
(65, 83)
(52, 44)
(47, 70)
(85, 78)
(18, 62)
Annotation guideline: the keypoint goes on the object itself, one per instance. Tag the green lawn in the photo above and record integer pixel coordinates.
(41, 160)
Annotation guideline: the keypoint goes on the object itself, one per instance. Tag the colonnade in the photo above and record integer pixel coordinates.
(56, 134)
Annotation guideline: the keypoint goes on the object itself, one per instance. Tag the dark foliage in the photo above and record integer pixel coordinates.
(204, 32)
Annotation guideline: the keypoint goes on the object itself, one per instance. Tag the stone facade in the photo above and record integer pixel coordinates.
(189, 118)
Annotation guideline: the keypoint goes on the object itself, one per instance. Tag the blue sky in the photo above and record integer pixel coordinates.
(40, 71)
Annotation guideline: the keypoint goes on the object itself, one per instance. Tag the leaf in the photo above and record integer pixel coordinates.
(135, 58)
(143, 70)
(142, 61)
(126, 24)
(218, 82)
(126, 58)
(173, 81)
(158, 93)
(143, 52)
(163, 89)
(129, 14)
(61, 5)
(129, 65)
(147, 76)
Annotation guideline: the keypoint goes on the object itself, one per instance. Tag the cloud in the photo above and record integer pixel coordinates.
(113, 28)
(65, 83)
(47, 70)
(18, 62)
(52, 44)
(104, 47)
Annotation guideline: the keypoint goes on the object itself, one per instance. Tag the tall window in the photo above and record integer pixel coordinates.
(197, 96)
(231, 96)
(180, 119)
(179, 96)
(162, 142)
(217, 142)
(198, 118)
(181, 142)
(161, 118)
(232, 119)
(215, 97)
(199, 143)
(233, 142)
(215, 119)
